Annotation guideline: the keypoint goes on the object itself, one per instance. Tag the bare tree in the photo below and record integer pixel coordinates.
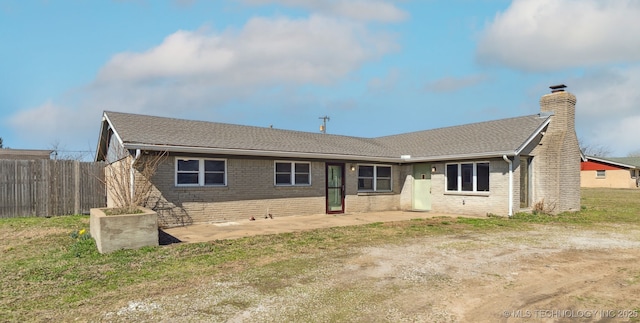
(60, 152)
(589, 149)
(128, 180)
(634, 153)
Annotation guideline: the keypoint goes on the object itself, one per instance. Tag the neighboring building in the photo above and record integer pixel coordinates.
(613, 172)
(219, 172)
(24, 154)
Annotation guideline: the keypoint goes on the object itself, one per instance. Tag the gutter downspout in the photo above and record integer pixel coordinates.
(510, 183)
(132, 174)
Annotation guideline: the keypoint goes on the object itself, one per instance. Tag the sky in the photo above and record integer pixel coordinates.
(374, 67)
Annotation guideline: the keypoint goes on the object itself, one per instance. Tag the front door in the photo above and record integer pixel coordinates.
(335, 188)
(421, 187)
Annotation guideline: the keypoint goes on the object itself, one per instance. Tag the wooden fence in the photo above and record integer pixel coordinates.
(50, 187)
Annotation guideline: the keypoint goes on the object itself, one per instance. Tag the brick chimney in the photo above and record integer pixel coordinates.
(558, 155)
(563, 105)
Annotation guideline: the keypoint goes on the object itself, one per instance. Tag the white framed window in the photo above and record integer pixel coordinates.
(467, 177)
(374, 178)
(289, 173)
(201, 172)
(600, 174)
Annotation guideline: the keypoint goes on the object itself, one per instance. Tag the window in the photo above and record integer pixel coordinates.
(374, 178)
(468, 177)
(293, 173)
(600, 174)
(201, 172)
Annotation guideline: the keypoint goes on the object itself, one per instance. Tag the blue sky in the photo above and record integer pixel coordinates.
(374, 67)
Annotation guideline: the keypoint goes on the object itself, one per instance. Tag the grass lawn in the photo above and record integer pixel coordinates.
(49, 273)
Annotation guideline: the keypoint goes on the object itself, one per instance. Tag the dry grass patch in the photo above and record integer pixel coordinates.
(49, 276)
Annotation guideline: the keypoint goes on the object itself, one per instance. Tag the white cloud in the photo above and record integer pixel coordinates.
(607, 111)
(452, 84)
(197, 74)
(363, 10)
(50, 123)
(619, 136)
(609, 92)
(541, 35)
(266, 51)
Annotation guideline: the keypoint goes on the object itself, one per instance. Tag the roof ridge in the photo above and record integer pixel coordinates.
(537, 115)
(479, 138)
(237, 125)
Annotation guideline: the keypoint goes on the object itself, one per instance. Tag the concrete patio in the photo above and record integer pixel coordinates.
(262, 226)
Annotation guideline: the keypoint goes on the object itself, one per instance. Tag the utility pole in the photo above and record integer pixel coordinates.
(323, 127)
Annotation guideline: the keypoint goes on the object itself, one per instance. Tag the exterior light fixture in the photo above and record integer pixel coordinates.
(353, 167)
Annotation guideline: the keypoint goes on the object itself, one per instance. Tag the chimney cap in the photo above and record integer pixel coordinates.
(557, 88)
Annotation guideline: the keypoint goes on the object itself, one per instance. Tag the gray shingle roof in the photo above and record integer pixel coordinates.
(497, 136)
(631, 161)
(505, 135)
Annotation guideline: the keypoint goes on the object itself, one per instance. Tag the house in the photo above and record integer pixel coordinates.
(216, 172)
(24, 154)
(613, 172)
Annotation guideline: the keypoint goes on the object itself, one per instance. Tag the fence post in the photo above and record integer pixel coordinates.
(76, 175)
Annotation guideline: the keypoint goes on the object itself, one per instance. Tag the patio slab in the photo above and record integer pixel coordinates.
(261, 226)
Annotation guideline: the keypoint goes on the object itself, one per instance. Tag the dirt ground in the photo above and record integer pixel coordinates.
(546, 274)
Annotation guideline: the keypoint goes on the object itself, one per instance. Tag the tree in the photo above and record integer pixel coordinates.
(589, 149)
(128, 179)
(1, 143)
(634, 153)
(60, 152)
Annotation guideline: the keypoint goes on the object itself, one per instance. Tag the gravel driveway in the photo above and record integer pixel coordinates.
(547, 273)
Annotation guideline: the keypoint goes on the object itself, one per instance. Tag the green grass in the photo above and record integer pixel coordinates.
(598, 206)
(47, 274)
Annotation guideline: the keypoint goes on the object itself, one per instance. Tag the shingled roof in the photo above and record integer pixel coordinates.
(627, 162)
(492, 138)
(633, 161)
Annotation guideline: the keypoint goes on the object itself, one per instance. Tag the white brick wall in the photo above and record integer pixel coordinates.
(495, 202)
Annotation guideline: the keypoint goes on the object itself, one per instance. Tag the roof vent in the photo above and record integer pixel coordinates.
(557, 88)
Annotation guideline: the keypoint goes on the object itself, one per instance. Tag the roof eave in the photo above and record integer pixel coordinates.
(607, 161)
(493, 154)
(293, 154)
(258, 153)
(101, 152)
(533, 136)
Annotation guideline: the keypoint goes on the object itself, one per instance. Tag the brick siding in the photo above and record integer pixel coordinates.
(250, 192)
(250, 189)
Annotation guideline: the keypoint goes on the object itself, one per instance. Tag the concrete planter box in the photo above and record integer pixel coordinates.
(126, 231)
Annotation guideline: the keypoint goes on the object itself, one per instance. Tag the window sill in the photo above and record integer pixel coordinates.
(467, 193)
(293, 186)
(199, 186)
(375, 193)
